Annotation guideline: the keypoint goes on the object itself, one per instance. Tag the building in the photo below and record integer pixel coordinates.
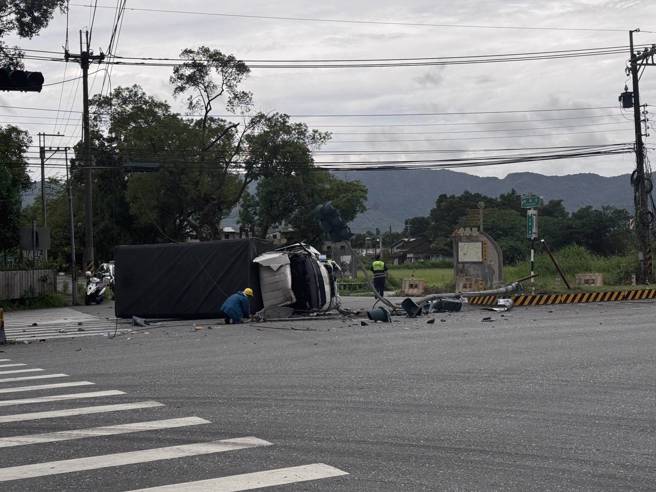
(413, 249)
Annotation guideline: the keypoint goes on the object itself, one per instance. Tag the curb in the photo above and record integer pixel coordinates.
(575, 298)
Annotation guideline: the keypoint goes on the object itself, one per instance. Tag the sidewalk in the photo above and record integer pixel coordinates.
(46, 324)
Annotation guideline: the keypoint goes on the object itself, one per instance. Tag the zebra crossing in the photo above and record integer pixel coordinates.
(25, 472)
(56, 323)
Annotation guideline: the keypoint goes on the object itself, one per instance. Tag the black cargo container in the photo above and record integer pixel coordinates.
(185, 280)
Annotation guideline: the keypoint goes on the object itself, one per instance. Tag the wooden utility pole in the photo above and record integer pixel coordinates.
(85, 58)
(642, 183)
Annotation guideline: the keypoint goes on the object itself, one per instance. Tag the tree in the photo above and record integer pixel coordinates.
(289, 185)
(605, 231)
(14, 179)
(25, 19)
(417, 226)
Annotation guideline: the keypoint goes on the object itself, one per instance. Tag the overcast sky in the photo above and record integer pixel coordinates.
(547, 84)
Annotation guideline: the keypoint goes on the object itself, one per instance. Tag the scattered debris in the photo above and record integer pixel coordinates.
(78, 349)
(430, 321)
(379, 314)
(364, 323)
(487, 319)
(61, 331)
(35, 324)
(501, 306)
(79, 323)
(81, 329)
(443, 320)
(136, 321)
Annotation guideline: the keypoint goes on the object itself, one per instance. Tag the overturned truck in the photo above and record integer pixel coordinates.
(191, 280)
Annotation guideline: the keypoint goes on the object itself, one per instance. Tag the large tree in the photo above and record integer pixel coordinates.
(14, 179)
(25, 19)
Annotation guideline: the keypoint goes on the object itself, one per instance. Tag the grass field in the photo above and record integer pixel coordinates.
(617, 271)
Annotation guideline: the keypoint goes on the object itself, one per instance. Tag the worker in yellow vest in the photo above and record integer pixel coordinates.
(380, 272)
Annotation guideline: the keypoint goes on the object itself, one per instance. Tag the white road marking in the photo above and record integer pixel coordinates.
(29, 378)
(59, 329)
(256, 480)
(20, 417)
(5, 360)
(128, 458)
(12, 365)
(72, 396)
(110, 430)
(72, 335)
(17, 371)
(39, 387)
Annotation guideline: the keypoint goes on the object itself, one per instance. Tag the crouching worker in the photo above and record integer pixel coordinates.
(237, 306)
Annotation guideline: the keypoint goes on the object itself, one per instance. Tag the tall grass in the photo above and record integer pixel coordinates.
(617, 270)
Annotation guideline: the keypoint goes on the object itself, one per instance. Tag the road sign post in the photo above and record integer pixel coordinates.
(531, 224)
(531, 203)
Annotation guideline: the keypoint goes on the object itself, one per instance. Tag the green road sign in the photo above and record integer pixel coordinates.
(531, 201)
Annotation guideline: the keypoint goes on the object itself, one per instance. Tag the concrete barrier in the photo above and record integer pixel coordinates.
(571, 298)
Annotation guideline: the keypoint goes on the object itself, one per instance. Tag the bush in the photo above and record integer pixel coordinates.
(47, 301)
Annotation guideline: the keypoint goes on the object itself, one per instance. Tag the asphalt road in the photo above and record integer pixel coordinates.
(553, 398)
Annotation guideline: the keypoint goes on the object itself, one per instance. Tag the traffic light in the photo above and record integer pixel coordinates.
(20, 80)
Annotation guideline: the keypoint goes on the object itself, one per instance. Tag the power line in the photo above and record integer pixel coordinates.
(495, 130)
(367, 115)
(365, 22)
(93, 20)
(396, 64)
(399, 140)
(456, 151)
(114, 60)
(621, 49)
(457, 123)
(472, 123)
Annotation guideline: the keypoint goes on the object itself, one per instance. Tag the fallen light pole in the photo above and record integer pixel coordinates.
(413, 308)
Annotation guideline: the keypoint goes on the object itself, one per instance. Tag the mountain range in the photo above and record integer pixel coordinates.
(397, 195)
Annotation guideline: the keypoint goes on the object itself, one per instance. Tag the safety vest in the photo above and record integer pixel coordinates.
(378, 268)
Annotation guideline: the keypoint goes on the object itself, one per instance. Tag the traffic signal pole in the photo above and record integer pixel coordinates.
(85, 58)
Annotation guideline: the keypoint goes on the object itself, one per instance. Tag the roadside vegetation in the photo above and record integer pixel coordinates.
(42, 302)
(617, 271)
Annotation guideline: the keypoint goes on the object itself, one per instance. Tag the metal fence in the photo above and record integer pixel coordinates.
(17, 284)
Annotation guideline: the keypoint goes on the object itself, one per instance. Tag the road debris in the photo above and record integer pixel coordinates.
(501, 306)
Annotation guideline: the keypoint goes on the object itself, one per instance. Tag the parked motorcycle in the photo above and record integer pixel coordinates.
(97, 284)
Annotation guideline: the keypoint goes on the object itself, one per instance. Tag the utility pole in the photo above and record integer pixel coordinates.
(85, 57)
(42, 155)
(69, 184)
(44, 199)
(69, 181)
(639, 179)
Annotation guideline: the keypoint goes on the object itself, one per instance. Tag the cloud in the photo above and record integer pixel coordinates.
(432, 78)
